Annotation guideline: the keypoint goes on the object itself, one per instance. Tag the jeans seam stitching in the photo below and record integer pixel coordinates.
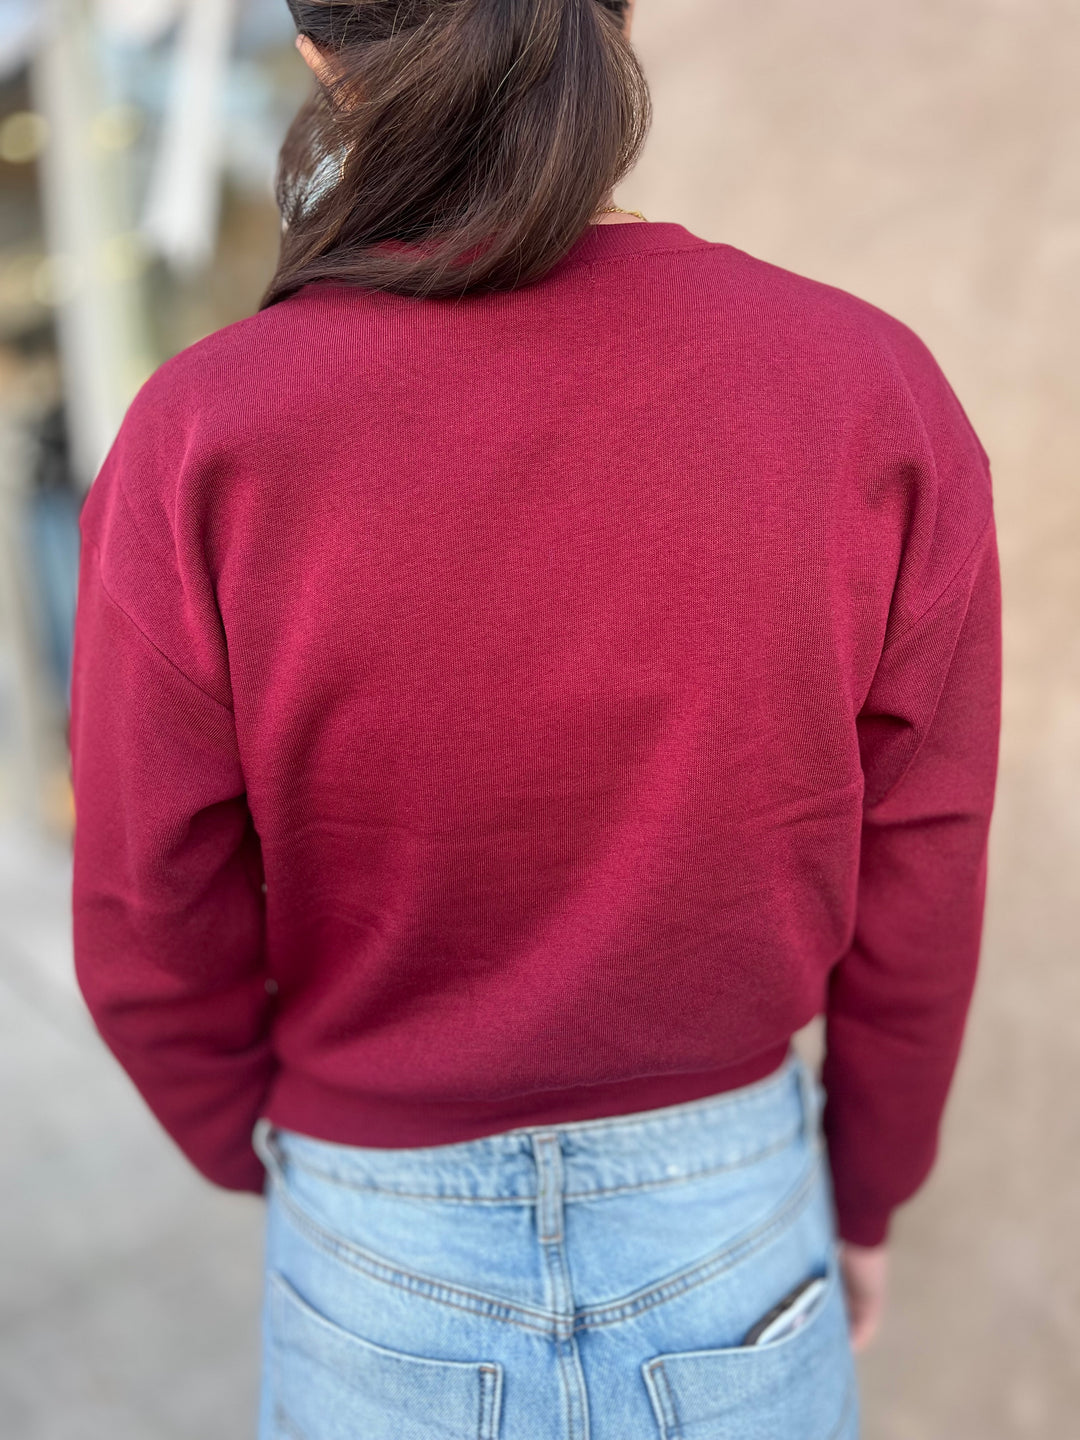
(438, 1291)
(591, 1196)
(544, 1321)
(489, 1386)
(781, 1219)
(672, 1428)
(579, 1196)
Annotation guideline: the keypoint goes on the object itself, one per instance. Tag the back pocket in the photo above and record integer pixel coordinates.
(801, 1387)
(329, 1384)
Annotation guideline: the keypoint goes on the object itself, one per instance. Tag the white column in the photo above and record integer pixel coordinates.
(183, 206)
(103, 335)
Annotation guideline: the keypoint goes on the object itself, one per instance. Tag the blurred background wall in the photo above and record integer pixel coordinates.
(925, 157)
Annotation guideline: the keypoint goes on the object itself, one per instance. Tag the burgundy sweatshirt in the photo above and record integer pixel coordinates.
(536, 707)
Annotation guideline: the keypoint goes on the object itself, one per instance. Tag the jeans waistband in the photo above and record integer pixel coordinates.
(718, 1132)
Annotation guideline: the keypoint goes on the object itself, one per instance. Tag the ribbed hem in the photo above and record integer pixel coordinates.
(345, 1117)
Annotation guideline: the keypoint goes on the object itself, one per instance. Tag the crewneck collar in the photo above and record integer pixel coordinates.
(636, 237)
(596, 243)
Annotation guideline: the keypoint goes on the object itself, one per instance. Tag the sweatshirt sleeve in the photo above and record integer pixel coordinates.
(167, 903)
(928, 737)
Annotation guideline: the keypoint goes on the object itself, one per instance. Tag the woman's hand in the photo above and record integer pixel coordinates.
(865, 1271)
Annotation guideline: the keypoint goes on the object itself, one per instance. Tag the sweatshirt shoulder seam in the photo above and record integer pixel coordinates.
(152, 643)
(947, 589)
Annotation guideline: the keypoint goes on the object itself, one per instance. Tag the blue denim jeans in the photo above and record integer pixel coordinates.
(584, 1281)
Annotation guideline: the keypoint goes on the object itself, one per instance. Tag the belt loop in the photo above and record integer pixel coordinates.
(264, 1143)
(551, 1179)
(811, 1096)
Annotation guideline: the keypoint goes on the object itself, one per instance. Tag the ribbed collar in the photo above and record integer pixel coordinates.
(637, 237)
(596, 242)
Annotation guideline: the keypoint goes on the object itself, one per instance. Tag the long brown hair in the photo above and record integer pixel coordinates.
(460, 145)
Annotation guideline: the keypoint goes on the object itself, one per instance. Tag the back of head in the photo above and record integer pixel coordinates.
(454, 145)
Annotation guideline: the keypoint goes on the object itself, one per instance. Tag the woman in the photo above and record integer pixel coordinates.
(523, 674)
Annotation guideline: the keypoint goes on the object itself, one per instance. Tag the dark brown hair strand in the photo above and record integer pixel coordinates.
(460, 145)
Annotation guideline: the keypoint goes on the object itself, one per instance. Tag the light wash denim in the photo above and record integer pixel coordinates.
(585, 1281)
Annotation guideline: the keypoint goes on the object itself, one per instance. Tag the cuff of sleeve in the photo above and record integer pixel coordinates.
(230, 1168)
(867, 1228)
(247, 1176)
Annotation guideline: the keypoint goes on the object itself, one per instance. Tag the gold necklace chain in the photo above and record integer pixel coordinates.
(618, 209)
